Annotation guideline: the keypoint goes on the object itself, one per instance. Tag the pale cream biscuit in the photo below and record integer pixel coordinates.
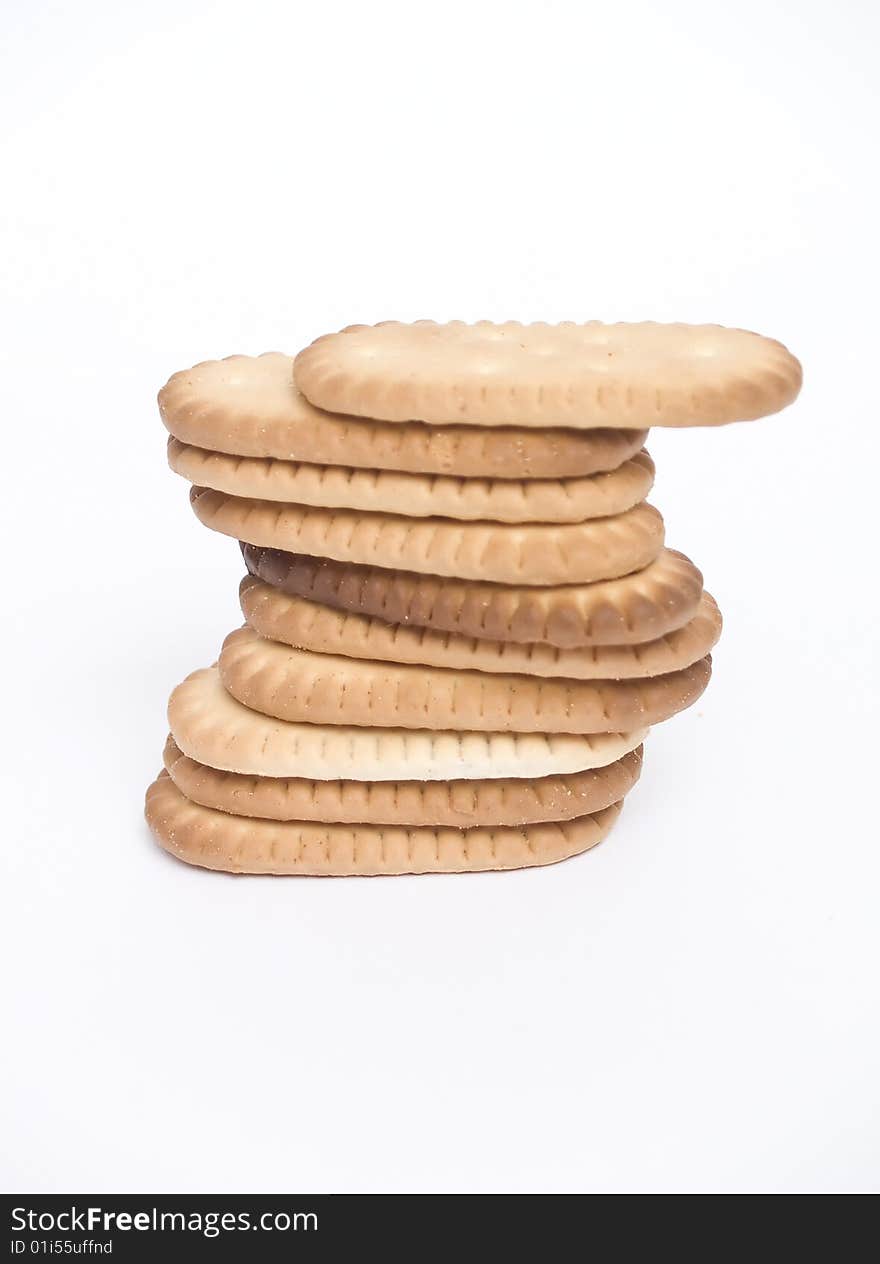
(418, 495)
(566, 553)
(238, 844)
(628, 611)
(308, 625)
(211, 727)
(304, 686)
(502, 801)
(640, 374)
(249, 406)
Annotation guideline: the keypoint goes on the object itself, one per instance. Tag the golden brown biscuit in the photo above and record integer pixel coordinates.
(628, 611)
(238, 844)
(249, 406)
(641, 374)
(211, 727)
(567, 553)
(303, 686)
(503, 801)
(311, 626)
(418, 495)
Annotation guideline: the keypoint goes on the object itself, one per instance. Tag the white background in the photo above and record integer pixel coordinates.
(694, 1005)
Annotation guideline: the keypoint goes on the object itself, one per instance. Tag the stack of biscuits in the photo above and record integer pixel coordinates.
(461, 615)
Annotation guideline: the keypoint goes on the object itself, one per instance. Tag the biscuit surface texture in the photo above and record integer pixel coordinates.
(576, 375)
(308, 625)
(500, 801)
(565, 553)
(640, 607)
(418, 495)
(212, 727)
(236, 844)
(248, 406)
(319, 688)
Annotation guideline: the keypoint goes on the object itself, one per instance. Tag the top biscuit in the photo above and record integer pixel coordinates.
(620, 376)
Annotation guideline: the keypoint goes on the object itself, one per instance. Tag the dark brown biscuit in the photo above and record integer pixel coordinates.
(639, 607)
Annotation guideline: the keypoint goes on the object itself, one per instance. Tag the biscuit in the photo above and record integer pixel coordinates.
(637, 608)
(215, 840)
(568, 553)
(510, 801)
(302, 686)
(641, 374)
(249, 406)
(308, 625)
(211, 727)
(418, 495)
